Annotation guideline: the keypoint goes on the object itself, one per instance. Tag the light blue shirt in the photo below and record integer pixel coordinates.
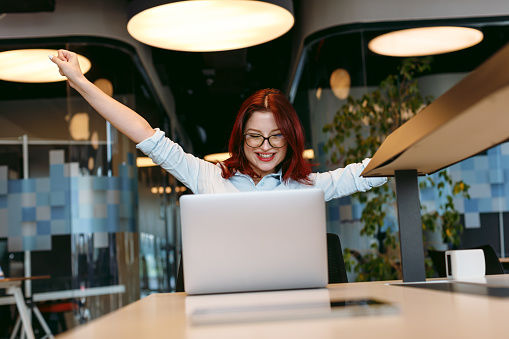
(201, 176)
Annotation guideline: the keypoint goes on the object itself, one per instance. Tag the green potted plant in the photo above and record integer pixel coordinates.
(357, 130)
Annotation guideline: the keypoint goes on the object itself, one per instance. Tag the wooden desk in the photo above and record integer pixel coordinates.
(422, 313)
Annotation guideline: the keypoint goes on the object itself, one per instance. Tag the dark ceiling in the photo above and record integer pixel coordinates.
(27, 6)
(209, 88)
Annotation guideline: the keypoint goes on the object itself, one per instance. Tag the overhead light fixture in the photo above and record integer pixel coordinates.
(318, 93)
(208, 25)
(340, 83)
(160, 190)
(104, 85)
(144, 162)
(218, 157)
(425, 41)
(309, 154)
(32, 66)
(79, 126)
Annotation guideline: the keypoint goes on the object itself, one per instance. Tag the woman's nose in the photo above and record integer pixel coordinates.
(266, 145)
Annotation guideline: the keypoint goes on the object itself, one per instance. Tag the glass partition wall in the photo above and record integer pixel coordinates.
(73, 203)
(337, 72)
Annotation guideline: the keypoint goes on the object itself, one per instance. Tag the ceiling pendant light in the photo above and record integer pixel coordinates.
(425, 41)
(219, 157)
(340, 83)
(208, 25)
(31, 65)
(144, 162)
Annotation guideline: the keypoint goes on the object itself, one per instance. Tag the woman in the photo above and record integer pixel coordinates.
(266, 144)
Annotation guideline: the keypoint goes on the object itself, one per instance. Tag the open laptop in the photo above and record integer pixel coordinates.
(256, 241)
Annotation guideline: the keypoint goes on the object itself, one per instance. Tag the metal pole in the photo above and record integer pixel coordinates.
(28, 262)
(410, 226)
(109, 150)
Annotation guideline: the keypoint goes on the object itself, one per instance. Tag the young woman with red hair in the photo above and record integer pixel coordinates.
(266, 145)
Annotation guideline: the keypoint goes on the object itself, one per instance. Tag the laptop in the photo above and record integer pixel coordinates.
(254, 241)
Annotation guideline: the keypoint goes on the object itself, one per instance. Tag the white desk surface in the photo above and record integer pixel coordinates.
(422, 313)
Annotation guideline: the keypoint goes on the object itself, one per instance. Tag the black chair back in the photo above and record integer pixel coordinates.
(336, 262)
(438, 259)
(493, 264)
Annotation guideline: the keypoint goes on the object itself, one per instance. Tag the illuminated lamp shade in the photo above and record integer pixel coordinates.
(425, 41)
(144, 162)
(79, 126)
(208, 25)
(318, 93)
(104, 85)
(217, 157)
(309, 154)
(340, 83)
(33, 66)
(94, 140)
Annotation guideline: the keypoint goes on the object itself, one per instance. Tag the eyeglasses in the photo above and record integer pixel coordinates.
(256, 140)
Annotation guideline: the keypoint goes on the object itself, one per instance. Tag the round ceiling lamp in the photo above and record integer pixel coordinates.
(79, 126)
(319, 93)
(31, 65)
(208, 25)
(425, 41)
(217, 157)
(104, 85)
(340, 82)
(144, 162)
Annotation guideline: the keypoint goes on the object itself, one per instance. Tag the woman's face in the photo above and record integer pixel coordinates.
(264, 158)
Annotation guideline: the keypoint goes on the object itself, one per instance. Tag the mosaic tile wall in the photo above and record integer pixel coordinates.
(489, 191)
(33, 210)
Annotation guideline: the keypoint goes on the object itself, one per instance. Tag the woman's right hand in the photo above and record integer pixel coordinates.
(127, 121)
(68, 66)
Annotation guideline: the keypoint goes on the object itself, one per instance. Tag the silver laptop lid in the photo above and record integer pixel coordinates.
(236, 242)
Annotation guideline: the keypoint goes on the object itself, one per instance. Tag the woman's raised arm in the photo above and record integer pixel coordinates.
(127, 121)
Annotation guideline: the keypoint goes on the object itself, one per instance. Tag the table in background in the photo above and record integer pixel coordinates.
(13, 287)
(53, 295)
(505, 264)
(422, 313)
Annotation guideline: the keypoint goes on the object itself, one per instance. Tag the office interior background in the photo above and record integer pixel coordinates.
(75, 205)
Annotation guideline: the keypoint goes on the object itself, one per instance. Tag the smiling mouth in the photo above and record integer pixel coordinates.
(265, 157)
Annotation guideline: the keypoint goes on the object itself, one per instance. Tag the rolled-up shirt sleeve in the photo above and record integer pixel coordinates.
(345, 181)
(188, 169)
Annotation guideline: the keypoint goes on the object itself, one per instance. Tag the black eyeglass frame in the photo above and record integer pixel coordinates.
(264, 138)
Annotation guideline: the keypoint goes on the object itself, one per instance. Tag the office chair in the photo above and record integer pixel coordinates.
(491, 260)
(438, 259)
(336, 264)
(493, 264)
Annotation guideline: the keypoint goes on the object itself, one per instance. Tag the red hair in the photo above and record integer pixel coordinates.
(294, 166)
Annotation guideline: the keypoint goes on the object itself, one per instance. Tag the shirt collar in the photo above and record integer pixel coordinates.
(277, 175)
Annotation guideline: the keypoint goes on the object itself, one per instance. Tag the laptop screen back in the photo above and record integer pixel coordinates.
(237, 242)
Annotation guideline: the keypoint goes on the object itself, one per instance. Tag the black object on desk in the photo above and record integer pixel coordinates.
(464, 287)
